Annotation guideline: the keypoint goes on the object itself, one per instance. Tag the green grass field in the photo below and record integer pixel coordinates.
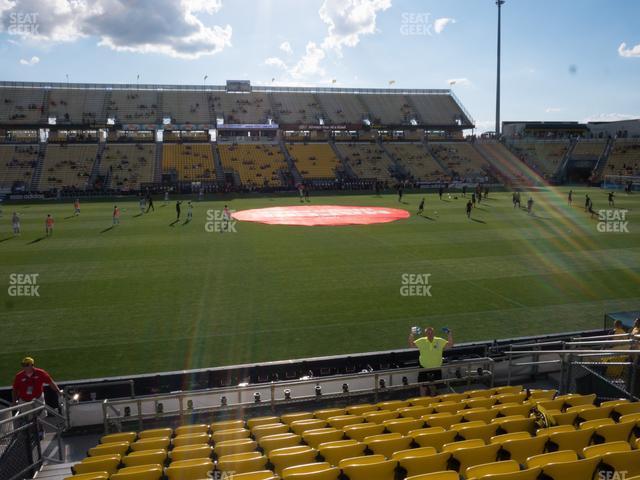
(146, 296)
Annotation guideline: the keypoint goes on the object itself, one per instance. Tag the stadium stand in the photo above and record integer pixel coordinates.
(77, 106)
(128, 106)
(296, 108)
(367, 160)
(17, 164)
(417, 160)
(190, 161)
(462, 159)
(588, 149)
(126, 166)
(394, 109)
(314, 160)
(341, 108)
(543, 156)
(22, 105)
(624, 158)
(441, 437)
(242, 108)
(258, 165)
(439, 109)
(67, 166)
(186, 107)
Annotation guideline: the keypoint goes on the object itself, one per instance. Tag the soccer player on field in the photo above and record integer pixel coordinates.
(150, 203)
(116, 215)
(48, 225)
(469, 208)
(76, 206)
(189, 211)
(421, 207)
(178, 203)
(301, 192)
(15, 222)
(141, 203)
(166, 197)
(306, 194)
(587, 202)
(611, 199)
(473, 199)
(530, 206)
(570, 197)
(226, 218)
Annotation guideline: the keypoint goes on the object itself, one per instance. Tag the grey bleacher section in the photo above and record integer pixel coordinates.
(296, 108)
(22, 105)
(394, 109)
(340, 108)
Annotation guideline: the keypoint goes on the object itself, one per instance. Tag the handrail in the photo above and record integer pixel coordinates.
(577, 352)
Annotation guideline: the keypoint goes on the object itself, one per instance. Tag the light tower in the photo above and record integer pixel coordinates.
(499, 3)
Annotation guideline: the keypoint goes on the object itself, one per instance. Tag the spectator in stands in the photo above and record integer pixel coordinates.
(636, 327)
(618, 328)
(431, 350)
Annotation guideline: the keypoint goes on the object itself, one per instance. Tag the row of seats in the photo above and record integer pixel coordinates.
(624, 158)
(314, 160)
(257, 165)
(417, 160)
(366, 160)
(190, 161)
(461, 159)
(543, 156)
(17, 163)
(129, 165)
(67, 166)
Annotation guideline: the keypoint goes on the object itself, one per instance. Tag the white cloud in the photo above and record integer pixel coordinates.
(286, 48)
(275, 62)
(309, 64)
(31, 62)
(440, 23)
(610, 117)
(459, 82)
(623, 51)
(167, 27)
(552, 110)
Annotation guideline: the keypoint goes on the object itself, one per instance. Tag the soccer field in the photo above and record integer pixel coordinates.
(149, 296)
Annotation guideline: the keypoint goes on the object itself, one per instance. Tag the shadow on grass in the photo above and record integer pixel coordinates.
(174, 222)
(138, 215)
(70, 216)
(39, 239)
(186, 222)
(428, 218)
(107, 229)
(5, 239)
(477, 220)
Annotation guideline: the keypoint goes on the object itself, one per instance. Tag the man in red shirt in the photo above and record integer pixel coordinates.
(29, 383)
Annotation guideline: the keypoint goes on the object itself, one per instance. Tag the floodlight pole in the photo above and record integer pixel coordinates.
(499, 3)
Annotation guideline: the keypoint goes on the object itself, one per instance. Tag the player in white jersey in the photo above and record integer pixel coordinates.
(189, 211)
(142, 204)
(15, 222)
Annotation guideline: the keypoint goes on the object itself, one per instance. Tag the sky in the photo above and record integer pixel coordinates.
(561, 59)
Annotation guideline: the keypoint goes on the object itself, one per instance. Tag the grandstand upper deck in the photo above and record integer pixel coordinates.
(75, 106)
(624, 158)
(22, 105)
(296, 108)
(134, 106)
(242, 108)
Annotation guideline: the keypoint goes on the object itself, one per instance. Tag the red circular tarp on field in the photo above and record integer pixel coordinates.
(312, 215)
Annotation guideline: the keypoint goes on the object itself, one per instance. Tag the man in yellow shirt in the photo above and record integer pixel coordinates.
(431, 349)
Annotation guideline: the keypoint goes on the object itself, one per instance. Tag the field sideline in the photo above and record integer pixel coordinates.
(146, 296)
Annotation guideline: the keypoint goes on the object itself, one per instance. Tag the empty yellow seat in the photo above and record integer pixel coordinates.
(507, 389)
(254, 422)
(361, 431)
(260, 475)
(448, 407)
(229, 447)
(287, 418)
(555, 429)
(614, 433)
(508, 410)
(415, 411)
(443, 419)
(313, 438)
(574, 440)
(242, 462)
(341, 421)
(481, 393)
(226, 425)
(380, 416)
(493, 468)
(260, 431)
(614, 403)
(505, 398)
(311, 471)
(101, 463)
(548, 458)
(189, 469)
(628, 408)
(333, 452)
(145, 457)
(480, 402)
(141, 472)
(279, 440)
(529, 474)
(119, 437)
(155, 433)
(599, 450)
(444, 475)
(573, 400)
(326, 413)
(109, 448)
(89, 476)
(574, 470)
(520, 450)
(387, 443)
(419, 460)
(230, 434)
(191, 439)
(566, 418)
(600, 422)
(422, 401)
(184, 429)
(483, 414)
(435, 439)
(150, 443)
(464, 444)
(484, 432)
(189, 452)
(403, 425)
(369, 467)
(505, 437)
(628, 462)
(542, 394)
(392, 405)
(282, 458)
(469, 457)
(361, 409)
(300, 426)
(452, 397)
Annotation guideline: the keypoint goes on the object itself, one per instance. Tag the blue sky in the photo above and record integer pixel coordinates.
(562, 60)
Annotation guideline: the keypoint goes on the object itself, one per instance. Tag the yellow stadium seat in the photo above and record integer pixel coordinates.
(360, 431)
(413, 452)
(415, 463)
(229, 447)
(515, 423)
(435, 439)
(102, 463)
(416, 411)
(361, 409)
(509, 389)
(260, 475)
(369, 467)
(242, 462)
(575, 470)
(150, 443)
(422, 401)
(387, 443)
(464, 444)
(509, 410)
(573, 400)
(448, 407)
(588, 413)
(189, 452)
(392, 405)
(630, 417)
(566, 418)
(226, 425)
(469, 457)
(189, 469)
(145, 457)
(506, 398)
(595, 424)
(380, 416)
(614, 403)
(484, 414)
(141, 472)
(452, 397)
(529, 474)
(626, 409)
(341, 421)
(155, 433)
(493, 468)
(444, 420)
(458, 426)
(279, 440)
(402, 425)
(555, 429)
(574, 440)
(185, 429)
(548, 458)
(326, 413)
(313, 438)
(333, 452)
(311, 471)
(555, 404)
(260, 431)
(109, 448)
(230, 434)
(521, 450)
(628, 462)
(287, 418)
(191, 439)
(255, 421)
(505, 437)
(542, 394)
(300, 426)
(90, 476)
(614, 433)
(599, 450)
(282, 458)
(444, 475)
(119, 437)
(481, 393)
(484, 432)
